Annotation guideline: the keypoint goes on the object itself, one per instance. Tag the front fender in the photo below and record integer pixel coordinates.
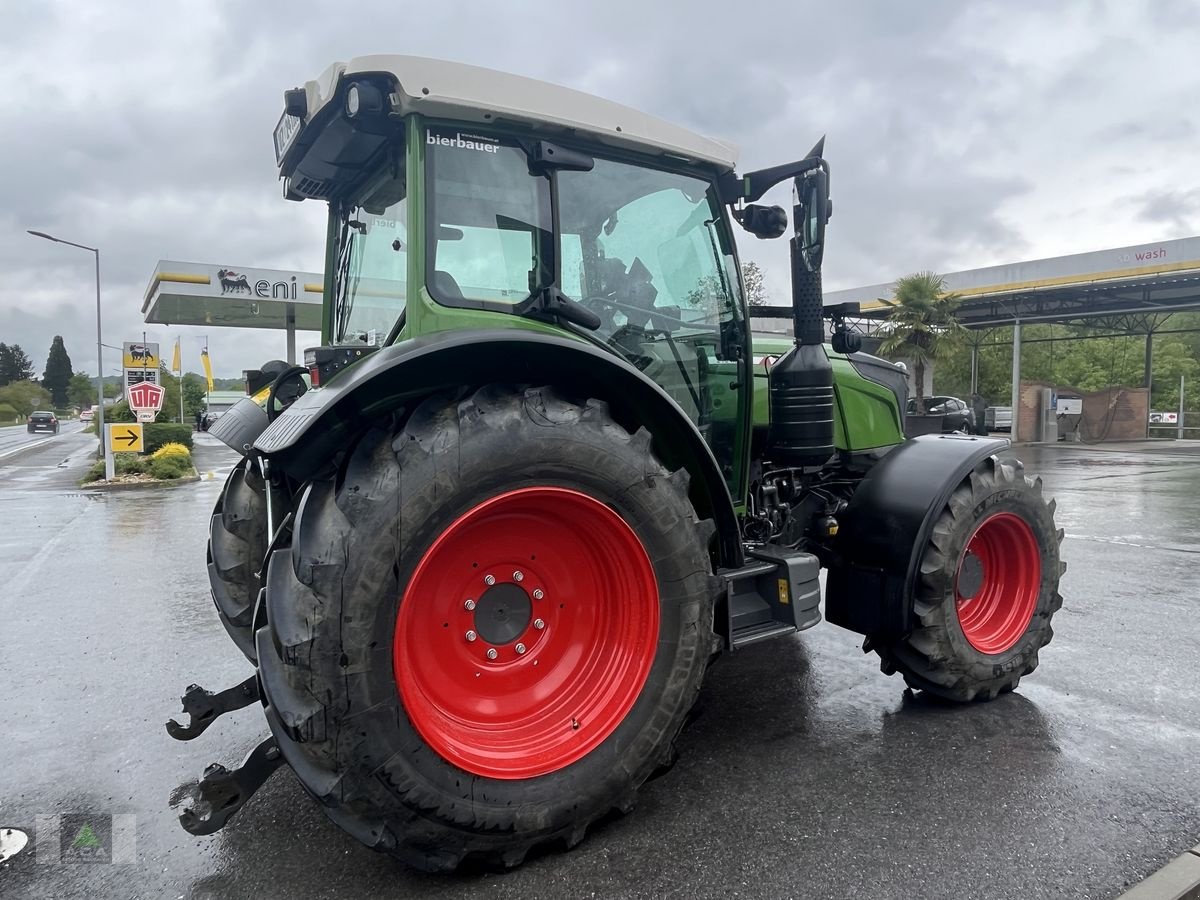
(306, 436)
(883, 531)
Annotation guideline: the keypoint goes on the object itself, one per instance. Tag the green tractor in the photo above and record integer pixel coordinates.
(484, 544)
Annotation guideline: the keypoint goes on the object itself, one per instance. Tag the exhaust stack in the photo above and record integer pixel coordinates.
(801, 382)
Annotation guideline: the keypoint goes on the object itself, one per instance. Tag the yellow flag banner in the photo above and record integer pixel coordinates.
(204, 361)
(176, 366)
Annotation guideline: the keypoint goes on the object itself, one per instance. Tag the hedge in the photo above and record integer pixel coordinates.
(155, 434)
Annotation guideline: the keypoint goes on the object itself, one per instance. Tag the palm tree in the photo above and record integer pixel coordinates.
(922, 324)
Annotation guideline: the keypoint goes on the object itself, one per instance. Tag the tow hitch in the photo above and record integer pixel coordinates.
(221, 793)
(204, 707)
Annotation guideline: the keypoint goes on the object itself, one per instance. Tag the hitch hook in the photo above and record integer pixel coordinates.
(221, 793)
(204, 707)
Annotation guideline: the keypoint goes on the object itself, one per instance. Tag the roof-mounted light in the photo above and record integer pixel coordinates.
(295, 103)
(363, 99)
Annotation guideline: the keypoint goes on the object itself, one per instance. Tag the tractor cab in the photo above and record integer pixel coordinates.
(462, 199)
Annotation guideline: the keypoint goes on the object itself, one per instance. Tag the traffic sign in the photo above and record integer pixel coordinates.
(146, 395)
(125, 438)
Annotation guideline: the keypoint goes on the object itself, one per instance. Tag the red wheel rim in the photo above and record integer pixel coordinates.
(526, 633)
(998, 582)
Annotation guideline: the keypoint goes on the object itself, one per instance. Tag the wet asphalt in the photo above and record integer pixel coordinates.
(806, 774)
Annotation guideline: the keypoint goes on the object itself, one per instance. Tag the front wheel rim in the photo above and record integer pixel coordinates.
(526, 633)
(998, 583)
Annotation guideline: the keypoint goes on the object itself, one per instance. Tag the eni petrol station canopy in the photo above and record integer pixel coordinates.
(188, 293)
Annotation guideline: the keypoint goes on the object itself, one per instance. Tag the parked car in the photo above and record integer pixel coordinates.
(956, 415)
(42, 421)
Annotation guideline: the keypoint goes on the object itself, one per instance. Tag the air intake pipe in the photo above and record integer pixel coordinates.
(801, 383)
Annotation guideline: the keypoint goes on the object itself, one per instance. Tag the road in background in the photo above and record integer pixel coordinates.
(807, 772)
(15, 439)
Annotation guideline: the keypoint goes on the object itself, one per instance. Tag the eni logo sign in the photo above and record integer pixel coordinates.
(238, 283)
(1148, 255)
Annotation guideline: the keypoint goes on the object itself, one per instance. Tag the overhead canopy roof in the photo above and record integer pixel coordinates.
(442, 89)
(187, 293)
(1142, 279)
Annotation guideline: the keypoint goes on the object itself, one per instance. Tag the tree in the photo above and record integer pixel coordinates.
(24, 397)
(15, 365)
(193, 395)
(81, 391)
(754, 283)
(57, 377)
(921, 325)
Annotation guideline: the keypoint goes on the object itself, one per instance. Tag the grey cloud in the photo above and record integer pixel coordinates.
(157, 145)
(1180, 209)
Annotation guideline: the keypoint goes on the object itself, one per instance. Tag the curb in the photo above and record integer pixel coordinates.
(138, 485)
(1177, 880)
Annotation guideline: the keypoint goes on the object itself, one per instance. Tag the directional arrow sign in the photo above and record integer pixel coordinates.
(125, 438)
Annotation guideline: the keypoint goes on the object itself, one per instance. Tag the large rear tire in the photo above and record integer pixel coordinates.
(987, 589)
(237, 543)
(488, 629)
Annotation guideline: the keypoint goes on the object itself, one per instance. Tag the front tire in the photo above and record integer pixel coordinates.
(488, 629)
(987, 589)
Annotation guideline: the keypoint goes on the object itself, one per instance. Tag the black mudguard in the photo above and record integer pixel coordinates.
(883, 531)
(310, 433)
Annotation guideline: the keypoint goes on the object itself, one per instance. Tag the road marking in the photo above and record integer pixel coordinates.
(22, 447)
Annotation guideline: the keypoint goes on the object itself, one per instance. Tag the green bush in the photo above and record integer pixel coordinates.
(119, 412)
(170, 467)
(164, 468)
(8, 414)
(130, 464)
(158, 433)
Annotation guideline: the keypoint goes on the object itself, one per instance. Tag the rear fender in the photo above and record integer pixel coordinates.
(310, 433)
(883, 532)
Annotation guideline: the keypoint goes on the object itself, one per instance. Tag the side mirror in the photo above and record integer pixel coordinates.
(810, 196)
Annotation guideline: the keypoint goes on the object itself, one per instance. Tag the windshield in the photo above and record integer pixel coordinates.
(372, 264)
(642, 248)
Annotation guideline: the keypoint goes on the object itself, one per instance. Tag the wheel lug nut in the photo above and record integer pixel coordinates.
(518, 575)
(520, 648)
(537, 594)
(471, 635)
(492, 654)
(489, 580)
(469, 605)
(539, 624)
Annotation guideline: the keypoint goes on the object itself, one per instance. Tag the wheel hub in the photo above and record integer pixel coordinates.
(503, 613)
(970, 576)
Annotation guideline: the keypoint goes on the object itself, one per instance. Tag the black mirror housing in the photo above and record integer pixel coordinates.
(810, 213)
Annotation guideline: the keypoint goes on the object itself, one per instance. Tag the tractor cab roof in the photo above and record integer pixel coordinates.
(450, 90)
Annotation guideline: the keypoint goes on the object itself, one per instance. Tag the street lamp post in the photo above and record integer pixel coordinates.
(99, 358)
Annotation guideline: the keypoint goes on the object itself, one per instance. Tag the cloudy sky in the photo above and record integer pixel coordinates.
(959, 134)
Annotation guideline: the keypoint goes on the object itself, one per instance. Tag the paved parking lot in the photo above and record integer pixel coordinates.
(807, 773)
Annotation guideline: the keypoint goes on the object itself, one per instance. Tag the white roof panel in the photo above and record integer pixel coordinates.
(438, 88)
